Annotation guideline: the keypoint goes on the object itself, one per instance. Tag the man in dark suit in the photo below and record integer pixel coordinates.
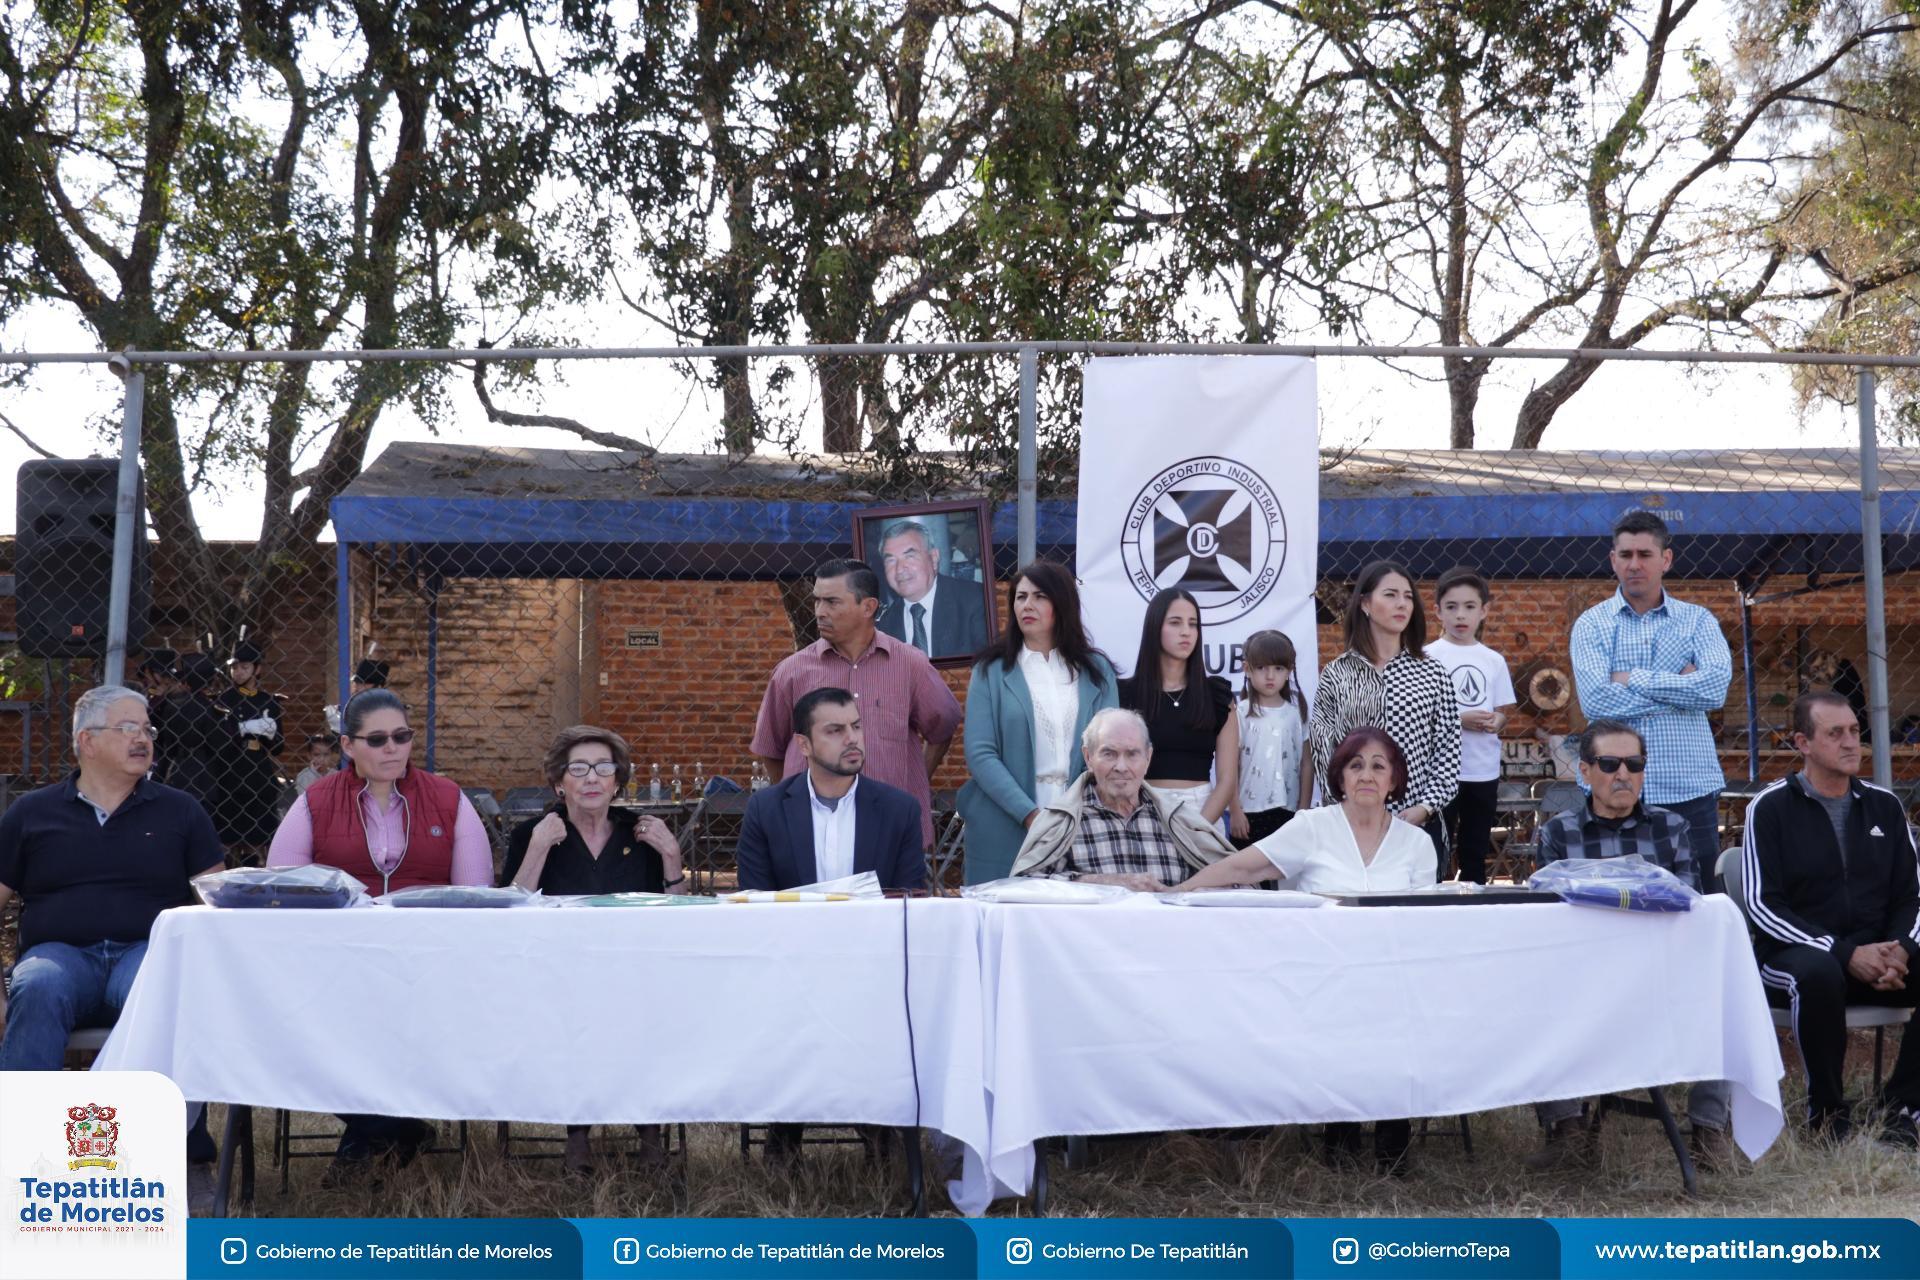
(938, 615)
(826, 821)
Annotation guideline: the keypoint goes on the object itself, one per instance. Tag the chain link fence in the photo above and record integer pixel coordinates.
(508, 593)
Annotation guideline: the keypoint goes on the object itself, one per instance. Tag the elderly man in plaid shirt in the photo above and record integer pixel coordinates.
(1614, 823)
(1110, 827)
(1661, 665)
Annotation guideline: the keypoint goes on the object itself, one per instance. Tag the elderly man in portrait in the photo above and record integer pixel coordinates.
(1110, 827)
(1833, 893)
(939, 615)
(1614, 822)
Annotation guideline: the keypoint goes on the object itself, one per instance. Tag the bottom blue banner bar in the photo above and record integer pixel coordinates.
(936, 1249)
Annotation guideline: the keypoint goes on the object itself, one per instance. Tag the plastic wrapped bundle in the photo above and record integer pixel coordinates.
(1042, 890)
(460, 895)
(1628, 883)
(307, 888)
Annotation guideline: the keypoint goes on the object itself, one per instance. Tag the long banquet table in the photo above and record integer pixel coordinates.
(1027, 1021)
(1141, 1016)
(789, 1012)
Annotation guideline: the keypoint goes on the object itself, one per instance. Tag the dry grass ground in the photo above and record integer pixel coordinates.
(1177, 1175)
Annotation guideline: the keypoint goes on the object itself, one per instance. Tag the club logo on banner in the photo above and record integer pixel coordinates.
(1218, 460)
(1211, 526)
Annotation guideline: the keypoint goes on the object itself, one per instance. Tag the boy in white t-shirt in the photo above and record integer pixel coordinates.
(1484, 687)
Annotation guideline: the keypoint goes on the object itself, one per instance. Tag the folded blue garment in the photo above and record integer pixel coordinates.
(1628, 883)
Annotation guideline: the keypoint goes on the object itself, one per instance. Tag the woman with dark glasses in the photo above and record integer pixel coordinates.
(583, 845)
(387, 824)
(391, 827)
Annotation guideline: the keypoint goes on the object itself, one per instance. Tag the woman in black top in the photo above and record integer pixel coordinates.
(582, 845)
(1189, 714)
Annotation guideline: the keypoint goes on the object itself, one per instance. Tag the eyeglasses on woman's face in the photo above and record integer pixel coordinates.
(581, 768)
(380, 738)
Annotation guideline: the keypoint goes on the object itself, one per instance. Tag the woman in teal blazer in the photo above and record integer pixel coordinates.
(1028, 702)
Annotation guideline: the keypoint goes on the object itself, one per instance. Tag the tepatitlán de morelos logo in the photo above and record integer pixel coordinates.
(1212, 526)
(93, 1139)
(92, 1133)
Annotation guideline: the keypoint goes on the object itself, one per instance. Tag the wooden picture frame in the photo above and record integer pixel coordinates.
(944, 550)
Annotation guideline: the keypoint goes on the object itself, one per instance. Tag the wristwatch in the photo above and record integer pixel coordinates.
(680, 879)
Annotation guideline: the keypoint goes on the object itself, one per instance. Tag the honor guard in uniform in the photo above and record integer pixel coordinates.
(370, 674)
(200, 741)
(250, 788)
(157, 680)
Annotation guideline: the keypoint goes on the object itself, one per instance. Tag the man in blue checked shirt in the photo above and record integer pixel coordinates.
(1660, 665)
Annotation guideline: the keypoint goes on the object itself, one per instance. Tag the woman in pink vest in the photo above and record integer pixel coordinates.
(391, 827)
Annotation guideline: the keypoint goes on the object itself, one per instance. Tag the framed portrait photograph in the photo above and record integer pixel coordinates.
(935, 565)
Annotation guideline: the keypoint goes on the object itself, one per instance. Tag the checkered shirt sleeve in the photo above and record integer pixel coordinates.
(1138, 844)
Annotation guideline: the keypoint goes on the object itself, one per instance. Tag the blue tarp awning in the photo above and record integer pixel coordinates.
(550, 513)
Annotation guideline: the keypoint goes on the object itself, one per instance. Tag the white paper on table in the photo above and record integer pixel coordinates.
(864, 884)
(1242, 898)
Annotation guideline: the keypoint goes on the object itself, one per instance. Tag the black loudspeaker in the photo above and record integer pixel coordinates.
(63, 558)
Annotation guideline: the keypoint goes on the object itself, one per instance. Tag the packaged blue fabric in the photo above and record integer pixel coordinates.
(1627, 883)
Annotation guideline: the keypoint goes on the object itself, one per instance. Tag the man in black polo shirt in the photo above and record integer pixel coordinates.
(94, 859)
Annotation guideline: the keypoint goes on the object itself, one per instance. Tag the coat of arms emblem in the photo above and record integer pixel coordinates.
(92, 1132)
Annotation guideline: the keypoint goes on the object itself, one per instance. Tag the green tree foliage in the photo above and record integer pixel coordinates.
(1854, 214)
(305, 174)
(845, 172)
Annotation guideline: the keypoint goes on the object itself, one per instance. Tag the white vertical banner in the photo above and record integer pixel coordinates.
(1201, 472)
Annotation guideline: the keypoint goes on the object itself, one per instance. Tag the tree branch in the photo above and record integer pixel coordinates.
(509, 418)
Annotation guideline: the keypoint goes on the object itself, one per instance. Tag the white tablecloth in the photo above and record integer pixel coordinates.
(789, 1012)
(1141, 1016)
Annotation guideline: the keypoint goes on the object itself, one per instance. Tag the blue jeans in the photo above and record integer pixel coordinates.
(1703, 835)
(57, 987)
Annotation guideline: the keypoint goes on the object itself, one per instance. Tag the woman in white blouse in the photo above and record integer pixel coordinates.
(1029, 699)
(1350, 846)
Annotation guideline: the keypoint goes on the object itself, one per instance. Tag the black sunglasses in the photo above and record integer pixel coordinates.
(1611, 764)
(379, 740)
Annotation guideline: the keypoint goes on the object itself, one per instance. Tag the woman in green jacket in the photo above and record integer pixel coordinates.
(1032, 692)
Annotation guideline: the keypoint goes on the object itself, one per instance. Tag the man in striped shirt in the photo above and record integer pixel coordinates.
(1613, 823)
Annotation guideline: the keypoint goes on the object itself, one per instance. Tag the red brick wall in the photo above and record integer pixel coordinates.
(520, 659)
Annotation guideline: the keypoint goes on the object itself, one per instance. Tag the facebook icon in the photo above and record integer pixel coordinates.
(626, 1251)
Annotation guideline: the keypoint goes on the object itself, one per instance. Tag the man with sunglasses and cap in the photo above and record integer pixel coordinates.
(1613, 823)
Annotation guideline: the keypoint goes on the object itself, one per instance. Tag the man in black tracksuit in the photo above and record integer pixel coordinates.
(1833, 892)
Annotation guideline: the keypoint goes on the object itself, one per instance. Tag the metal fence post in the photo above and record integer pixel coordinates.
(1871, 570)
(343, 616)
(125, 518)
(1028, 523)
